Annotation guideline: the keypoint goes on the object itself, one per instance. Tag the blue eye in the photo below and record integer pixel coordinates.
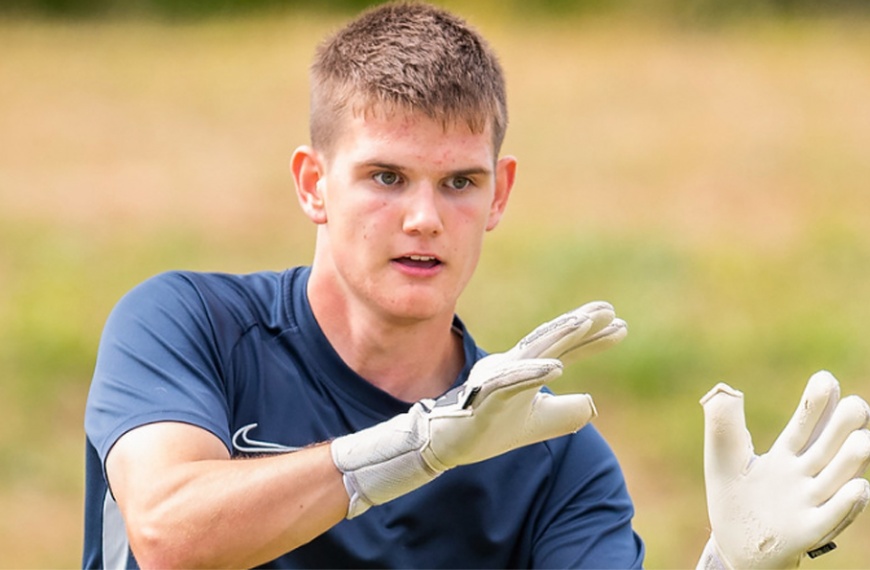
(387, 178)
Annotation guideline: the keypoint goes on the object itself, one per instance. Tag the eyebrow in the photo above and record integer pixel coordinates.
(474, 171)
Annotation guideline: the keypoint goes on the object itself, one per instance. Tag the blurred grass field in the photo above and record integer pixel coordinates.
(712, 183)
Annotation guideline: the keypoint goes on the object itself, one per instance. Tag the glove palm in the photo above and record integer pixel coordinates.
(767, 511)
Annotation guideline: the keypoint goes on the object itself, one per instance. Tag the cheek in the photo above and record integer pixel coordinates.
(474, 217)
(365, 230)
(361, 216)
(471, 224)
(374, 220)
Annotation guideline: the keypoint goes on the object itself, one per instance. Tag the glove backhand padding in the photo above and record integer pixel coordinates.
(499, 408)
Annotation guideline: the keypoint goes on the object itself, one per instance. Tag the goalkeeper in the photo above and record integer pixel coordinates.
(341, 415)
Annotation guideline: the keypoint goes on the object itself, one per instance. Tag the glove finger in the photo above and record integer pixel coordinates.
(611, 334)
(727, 443)
(833, 517)
(553, 338)
(554, 416)
(851, 414)
(850, 461)
(812, 414)
(507, 378)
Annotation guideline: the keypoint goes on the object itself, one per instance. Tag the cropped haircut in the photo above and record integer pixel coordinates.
(407, 57)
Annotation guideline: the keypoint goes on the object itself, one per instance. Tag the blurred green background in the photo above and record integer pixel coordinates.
(702, 165)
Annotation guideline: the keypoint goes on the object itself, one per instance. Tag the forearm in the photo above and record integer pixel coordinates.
(238, 513)
(228, 513)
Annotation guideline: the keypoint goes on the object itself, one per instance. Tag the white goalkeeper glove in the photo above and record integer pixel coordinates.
(768, 511)
(499, 408)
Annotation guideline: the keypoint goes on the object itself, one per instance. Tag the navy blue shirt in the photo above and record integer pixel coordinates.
(243, 357)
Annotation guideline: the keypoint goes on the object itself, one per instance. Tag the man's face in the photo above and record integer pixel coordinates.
(405, 204)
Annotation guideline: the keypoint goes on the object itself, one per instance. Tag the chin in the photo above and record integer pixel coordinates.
(419, 307)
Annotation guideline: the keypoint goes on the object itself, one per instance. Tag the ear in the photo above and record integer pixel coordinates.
(308, 174)
(505, 173)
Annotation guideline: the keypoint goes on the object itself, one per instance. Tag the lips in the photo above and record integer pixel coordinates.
(419, 261)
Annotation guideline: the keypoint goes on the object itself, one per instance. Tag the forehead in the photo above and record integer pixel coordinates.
(400, 137)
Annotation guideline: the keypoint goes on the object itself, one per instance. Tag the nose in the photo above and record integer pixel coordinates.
(422, 212)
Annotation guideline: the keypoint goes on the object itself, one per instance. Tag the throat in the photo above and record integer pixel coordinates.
(413, 373)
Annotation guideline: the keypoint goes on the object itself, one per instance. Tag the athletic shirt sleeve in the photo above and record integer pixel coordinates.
(159, 359)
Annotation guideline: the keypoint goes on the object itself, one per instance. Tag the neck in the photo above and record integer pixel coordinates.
(408, 358)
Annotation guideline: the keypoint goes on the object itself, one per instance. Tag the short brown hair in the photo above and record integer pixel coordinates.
(412, 57)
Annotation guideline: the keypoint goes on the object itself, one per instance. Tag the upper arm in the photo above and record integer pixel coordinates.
(140, 457)
(159, 360)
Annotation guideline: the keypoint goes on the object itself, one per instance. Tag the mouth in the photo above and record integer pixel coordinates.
(419, 261)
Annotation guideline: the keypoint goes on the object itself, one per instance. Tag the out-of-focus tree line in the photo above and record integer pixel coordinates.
(194, 9)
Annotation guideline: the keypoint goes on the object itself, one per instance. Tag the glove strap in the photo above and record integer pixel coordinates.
(823, 549)
(711, 558)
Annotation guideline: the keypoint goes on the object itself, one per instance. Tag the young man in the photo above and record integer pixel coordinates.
(271, 418)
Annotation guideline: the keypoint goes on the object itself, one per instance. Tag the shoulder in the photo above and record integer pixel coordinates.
(242, 298)
(179, 317)
(206, 285)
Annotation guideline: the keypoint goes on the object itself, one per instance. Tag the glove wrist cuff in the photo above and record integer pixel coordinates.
(378, 483)
(382, 463)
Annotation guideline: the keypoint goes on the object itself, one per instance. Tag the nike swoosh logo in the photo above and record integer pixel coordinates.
(245, 444)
